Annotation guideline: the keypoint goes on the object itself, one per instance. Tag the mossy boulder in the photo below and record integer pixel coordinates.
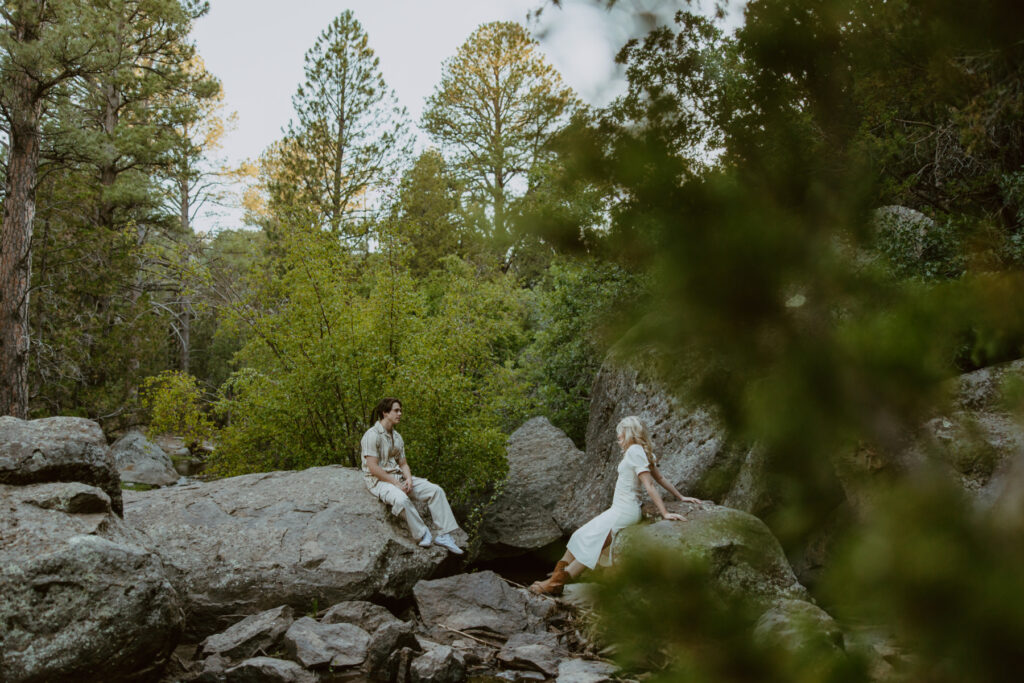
(741, 553)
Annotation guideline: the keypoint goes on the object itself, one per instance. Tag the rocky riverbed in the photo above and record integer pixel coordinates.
(300, 576)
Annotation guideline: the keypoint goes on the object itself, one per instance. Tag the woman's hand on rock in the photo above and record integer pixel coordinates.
(673, 517)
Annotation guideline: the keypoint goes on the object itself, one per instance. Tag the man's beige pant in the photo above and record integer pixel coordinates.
(402, 506)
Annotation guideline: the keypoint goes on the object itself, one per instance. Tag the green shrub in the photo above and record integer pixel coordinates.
(174, 403)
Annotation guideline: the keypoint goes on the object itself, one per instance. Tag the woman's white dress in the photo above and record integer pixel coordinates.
(586, 543)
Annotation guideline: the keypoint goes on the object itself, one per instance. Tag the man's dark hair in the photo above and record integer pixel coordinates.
(383, 406)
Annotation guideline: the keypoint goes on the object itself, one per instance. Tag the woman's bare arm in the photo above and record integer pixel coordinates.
(665, 484)
(648, 482)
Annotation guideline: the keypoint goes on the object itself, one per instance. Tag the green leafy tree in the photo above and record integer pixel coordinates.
(174, 403)
(227, 258)
(194, 182)
(577, 304)
(494, 111)
(347, 136)
(428, 216)
(330, 333)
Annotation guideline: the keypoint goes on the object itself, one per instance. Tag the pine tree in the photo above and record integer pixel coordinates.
(346, 138)
(43, 45)
(106, 137)
(497, 106)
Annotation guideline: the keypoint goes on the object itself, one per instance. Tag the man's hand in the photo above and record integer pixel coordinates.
(406, 486)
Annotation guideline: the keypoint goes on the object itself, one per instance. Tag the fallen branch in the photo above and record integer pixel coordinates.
(510, 581)
(471, 636)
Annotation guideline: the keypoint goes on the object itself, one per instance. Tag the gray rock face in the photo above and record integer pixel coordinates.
(797, 625)
(480, 601)
(56, 449)
(255, 633)
(366, 615)
(313, 644)
(742, 554)
(171, 445)
(543, 466)
(749, 492)
(981, 439)
(905, 225)
(246, 544)
(80, 597)
(976, 442)
(268, 670)
(140, 461)
(72, 497)
(585, 671)
(694, 452)
(441, 664)
(389, 638)
(537, 651)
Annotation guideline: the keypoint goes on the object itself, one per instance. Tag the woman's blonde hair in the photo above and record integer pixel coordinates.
(633, 430)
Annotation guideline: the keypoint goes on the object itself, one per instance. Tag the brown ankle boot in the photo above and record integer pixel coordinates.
(561, 565)
(553, 585)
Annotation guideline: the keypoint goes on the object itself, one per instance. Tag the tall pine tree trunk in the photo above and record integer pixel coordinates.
(186, 300)
(15, 243)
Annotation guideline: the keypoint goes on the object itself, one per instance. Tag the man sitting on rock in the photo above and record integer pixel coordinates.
(387, 475)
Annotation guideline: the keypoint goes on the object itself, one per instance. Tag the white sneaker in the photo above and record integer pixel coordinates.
(448, 543)
(426, 540)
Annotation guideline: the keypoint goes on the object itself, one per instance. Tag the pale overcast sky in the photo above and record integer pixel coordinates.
(256, 48)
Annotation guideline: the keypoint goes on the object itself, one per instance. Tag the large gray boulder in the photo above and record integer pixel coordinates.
(385, 641)
(140, 461)
(799, 626)
(245, 544)
(534, 507)
(694, 452)
(440, 664)
(481, 601)
(980, 438)
(54, 449)
(81, 597)
(803, 631)
(905, 226)
(366, 615)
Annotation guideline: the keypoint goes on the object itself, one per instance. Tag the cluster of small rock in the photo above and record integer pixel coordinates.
(467, 625)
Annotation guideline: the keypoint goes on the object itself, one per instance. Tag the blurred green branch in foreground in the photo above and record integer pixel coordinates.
(746, 171)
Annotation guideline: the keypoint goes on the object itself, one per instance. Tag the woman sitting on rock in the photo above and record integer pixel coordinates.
(638, 466)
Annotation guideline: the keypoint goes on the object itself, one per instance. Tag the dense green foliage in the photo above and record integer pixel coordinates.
(174, 403)
(814, 332)
(580, 308)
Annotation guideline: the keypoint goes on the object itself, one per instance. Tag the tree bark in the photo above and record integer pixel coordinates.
(185, 341)
(16, 243)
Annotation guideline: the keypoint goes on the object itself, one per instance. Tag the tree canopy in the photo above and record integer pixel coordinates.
(497, 106)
